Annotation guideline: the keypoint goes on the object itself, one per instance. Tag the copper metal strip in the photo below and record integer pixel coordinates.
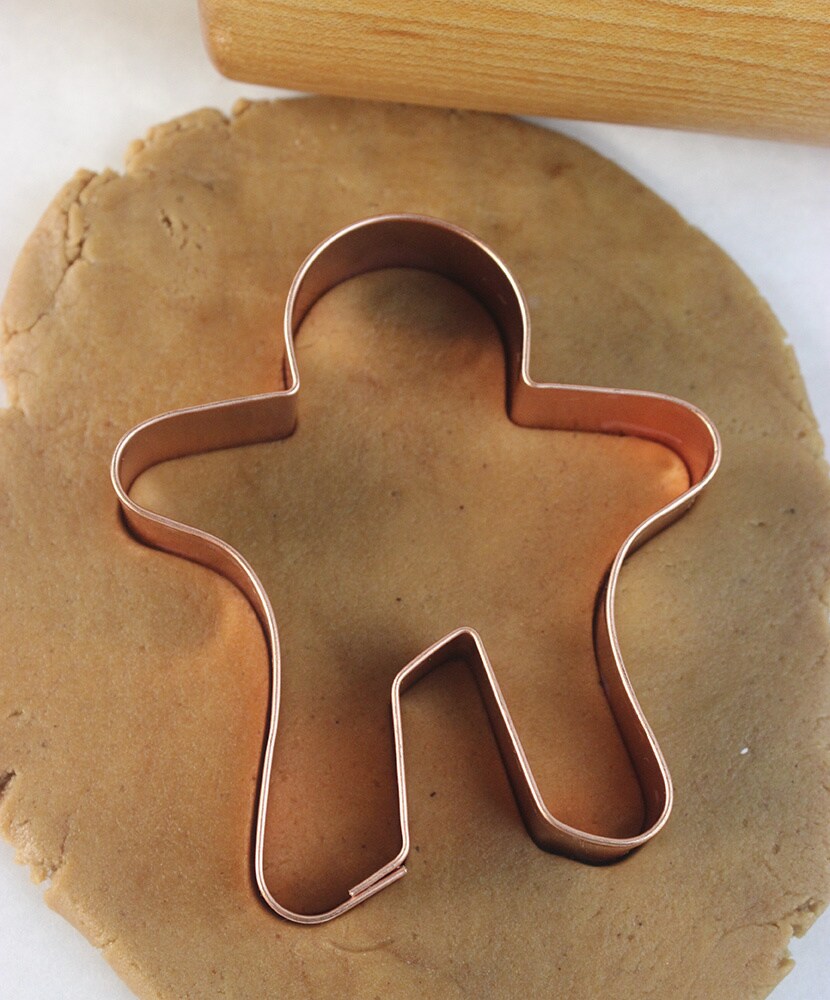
(429, 244)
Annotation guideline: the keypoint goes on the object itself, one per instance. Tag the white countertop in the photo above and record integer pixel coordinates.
(81, 79)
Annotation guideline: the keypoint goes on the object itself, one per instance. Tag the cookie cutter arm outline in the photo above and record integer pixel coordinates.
(415, 241)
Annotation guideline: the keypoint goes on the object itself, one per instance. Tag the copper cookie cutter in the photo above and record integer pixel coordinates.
(414, 241)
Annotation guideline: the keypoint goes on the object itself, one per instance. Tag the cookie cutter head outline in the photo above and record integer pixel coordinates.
(414, 241)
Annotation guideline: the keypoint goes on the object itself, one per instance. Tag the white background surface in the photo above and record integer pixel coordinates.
(81, 78)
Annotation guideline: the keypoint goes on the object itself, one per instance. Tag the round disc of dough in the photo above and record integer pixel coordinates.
(133, 685)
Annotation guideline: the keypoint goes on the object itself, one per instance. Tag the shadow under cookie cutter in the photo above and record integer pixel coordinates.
(413, 241)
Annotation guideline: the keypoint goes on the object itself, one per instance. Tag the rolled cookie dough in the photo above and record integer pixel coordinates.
(133, 684)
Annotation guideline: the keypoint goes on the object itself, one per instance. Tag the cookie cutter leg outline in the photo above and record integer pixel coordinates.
(415, 241)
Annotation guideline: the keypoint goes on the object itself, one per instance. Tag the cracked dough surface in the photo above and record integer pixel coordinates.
(133, 684)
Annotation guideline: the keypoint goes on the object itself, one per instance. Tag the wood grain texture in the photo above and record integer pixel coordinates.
(752, 67)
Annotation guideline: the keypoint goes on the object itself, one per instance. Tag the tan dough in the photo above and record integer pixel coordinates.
(133, 684)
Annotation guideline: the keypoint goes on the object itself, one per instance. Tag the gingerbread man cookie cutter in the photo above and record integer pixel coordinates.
(414, 241)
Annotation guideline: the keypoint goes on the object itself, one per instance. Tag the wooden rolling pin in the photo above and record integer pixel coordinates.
(753, 67)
